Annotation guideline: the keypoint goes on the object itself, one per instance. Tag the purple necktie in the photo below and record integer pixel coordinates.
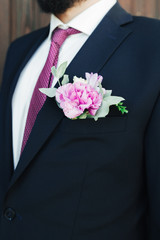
(38, 98)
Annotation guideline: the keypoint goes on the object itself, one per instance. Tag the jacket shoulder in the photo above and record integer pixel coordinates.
(146, 31)
(147, 23)
(29, 37)
(18, 49)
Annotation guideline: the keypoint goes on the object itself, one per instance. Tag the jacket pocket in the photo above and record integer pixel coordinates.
(86, 126)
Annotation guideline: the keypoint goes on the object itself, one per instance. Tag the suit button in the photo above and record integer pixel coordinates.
(9, 214)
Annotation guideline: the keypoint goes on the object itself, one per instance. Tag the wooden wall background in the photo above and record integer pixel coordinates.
(18, 17)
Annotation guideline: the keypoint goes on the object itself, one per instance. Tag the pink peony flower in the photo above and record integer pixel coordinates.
(75, 98)
(94, 79)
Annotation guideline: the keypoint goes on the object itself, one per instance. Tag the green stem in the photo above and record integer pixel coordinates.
(59, 83)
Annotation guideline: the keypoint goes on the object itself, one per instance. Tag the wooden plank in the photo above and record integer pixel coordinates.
(149, 8)
(138, 8)
(157, 12)
(127, 4)
(26, 17)
(41, 18)
(21, 18)
(4, 32)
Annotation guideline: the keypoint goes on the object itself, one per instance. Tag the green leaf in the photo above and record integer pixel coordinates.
(65, 79)
(102, 111)
(107, 102)
(54, 71)
(120, 104)
(122, 108)
(83, 115)
(100, 88)
(50, 92)
(113, 100)
(108, 93)
(61, 70)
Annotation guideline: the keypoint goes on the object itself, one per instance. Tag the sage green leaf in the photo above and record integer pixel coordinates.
(108, 93)
(100, 88)
(102, 111)
(54, 71)
(120, 104)
(50, 92)
(61, 70)
(83, 116)
(113, 100)
(65, 79)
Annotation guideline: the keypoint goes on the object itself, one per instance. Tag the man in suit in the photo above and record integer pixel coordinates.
(82, 179)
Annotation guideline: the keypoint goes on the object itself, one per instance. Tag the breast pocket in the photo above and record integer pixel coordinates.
(89, 126)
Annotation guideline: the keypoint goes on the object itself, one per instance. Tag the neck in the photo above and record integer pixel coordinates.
(78, 8)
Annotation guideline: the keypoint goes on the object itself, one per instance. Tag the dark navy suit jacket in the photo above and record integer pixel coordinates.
(87, 180)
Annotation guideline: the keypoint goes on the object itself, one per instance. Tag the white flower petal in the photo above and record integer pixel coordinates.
(82, 80)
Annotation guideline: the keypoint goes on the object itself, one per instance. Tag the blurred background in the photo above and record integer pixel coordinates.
(18, 17)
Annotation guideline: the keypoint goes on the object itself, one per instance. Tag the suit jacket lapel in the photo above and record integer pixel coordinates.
(25, 57)
(101, 45)
(10, 83)
(91, 58)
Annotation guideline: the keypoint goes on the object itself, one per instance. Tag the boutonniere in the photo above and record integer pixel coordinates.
(84, 98)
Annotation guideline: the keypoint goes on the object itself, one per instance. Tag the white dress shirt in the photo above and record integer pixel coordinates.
(86, 22)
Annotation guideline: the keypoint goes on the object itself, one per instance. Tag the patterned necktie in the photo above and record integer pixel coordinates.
(38, 99)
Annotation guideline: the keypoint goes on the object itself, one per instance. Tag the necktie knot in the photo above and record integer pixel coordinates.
(60, 35)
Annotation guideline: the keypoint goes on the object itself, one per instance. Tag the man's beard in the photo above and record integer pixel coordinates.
(56, 6)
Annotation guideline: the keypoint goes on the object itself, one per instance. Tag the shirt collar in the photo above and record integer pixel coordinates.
(86, 21)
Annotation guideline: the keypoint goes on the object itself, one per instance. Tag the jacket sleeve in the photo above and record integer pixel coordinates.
(152, 161)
